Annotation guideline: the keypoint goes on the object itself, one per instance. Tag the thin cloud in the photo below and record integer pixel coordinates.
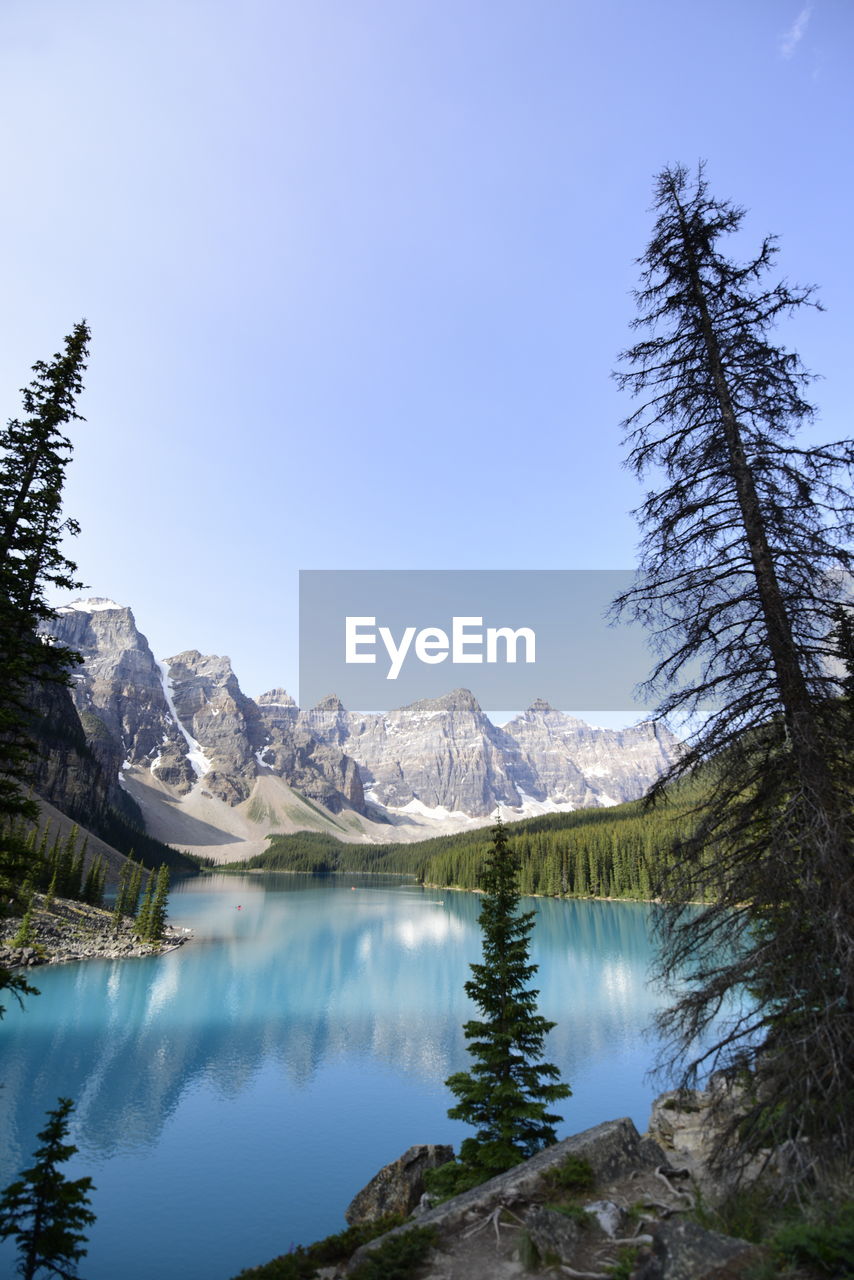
(790, 40)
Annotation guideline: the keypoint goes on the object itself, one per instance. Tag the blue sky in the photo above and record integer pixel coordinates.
(357, 272)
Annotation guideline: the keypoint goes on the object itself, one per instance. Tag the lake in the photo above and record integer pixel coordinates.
(232, 1096)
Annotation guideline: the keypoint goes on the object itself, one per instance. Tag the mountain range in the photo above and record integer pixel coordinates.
(214, 771)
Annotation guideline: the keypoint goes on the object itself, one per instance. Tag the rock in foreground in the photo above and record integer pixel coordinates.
(399, 1186)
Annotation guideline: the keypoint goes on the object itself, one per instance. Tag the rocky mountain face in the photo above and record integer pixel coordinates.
(75, 776)
(583, 766)
(71, 770)
(444, 753)
(312, 764)
(186, 719)
(122, 685)
(187, 722)
(441, 753)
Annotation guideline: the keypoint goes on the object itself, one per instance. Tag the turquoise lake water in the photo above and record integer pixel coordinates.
(232, 1096)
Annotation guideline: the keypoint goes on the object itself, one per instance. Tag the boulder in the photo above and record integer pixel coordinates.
(679, 1122)
(683, 1250)
(611, 1217)
(613, 1150)
(686, 1125)
(398, 1187)
(553, 1233)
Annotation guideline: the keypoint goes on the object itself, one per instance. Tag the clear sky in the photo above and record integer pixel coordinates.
(357, 271)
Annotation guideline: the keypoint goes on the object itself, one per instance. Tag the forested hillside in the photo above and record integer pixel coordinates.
(608, 853)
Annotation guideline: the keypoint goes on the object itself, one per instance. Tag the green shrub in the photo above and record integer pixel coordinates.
(574, 1174)
(25, 935)
(395, 1259)
(624, 1267)
(681, 1104)
(749, 1213)
(576, 1212)
(828, 1246)
(452, 1179)
(303, 1261)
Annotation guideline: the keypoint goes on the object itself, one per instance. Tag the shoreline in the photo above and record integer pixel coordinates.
(71, 931)
(232, 869)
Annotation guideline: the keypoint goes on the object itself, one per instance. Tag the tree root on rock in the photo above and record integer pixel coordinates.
(670, 1187)
(494, 1219)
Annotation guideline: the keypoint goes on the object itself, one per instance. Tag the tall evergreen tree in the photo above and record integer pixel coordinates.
(507, 1092)
(143, 917)
(93, 885)
(44, 1210)
(130, 900)
(744, 540)
(34, 452)
(157, 911)
(121, 898)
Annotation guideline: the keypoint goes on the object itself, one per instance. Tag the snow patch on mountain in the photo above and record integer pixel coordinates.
(436, 813)
(531, 807)
(95, 604)
(198, 760)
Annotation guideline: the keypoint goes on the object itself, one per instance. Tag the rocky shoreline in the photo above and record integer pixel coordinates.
(69, 931)
(605, 1202)
(608, 1202)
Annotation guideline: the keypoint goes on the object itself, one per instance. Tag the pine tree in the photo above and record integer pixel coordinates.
(143, 918)
(75, 856)
(25, 936)
(15, 866)
(41, 856)
(506, 1093)
(121, 898)
(61, 858)
(157, 911)
(92, 890)
(130, 903)
(744, 540)
(44, 1210)
(33, 455)
(100, 884)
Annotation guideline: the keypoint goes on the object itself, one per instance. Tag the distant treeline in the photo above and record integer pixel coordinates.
(598, 853)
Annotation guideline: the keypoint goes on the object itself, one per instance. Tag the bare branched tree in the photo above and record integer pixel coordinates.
(745, 539)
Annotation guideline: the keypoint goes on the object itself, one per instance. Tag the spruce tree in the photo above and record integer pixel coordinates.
(16, 866)
(34, 452)
(746, 535)
(42, 859)
(143, 919)
(121, 898)
(44, 1210)
(92, 891)
(507, 1092)
(100, 883)
(25, 935)
(75, 857)
(157, 911)
(130, 902)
